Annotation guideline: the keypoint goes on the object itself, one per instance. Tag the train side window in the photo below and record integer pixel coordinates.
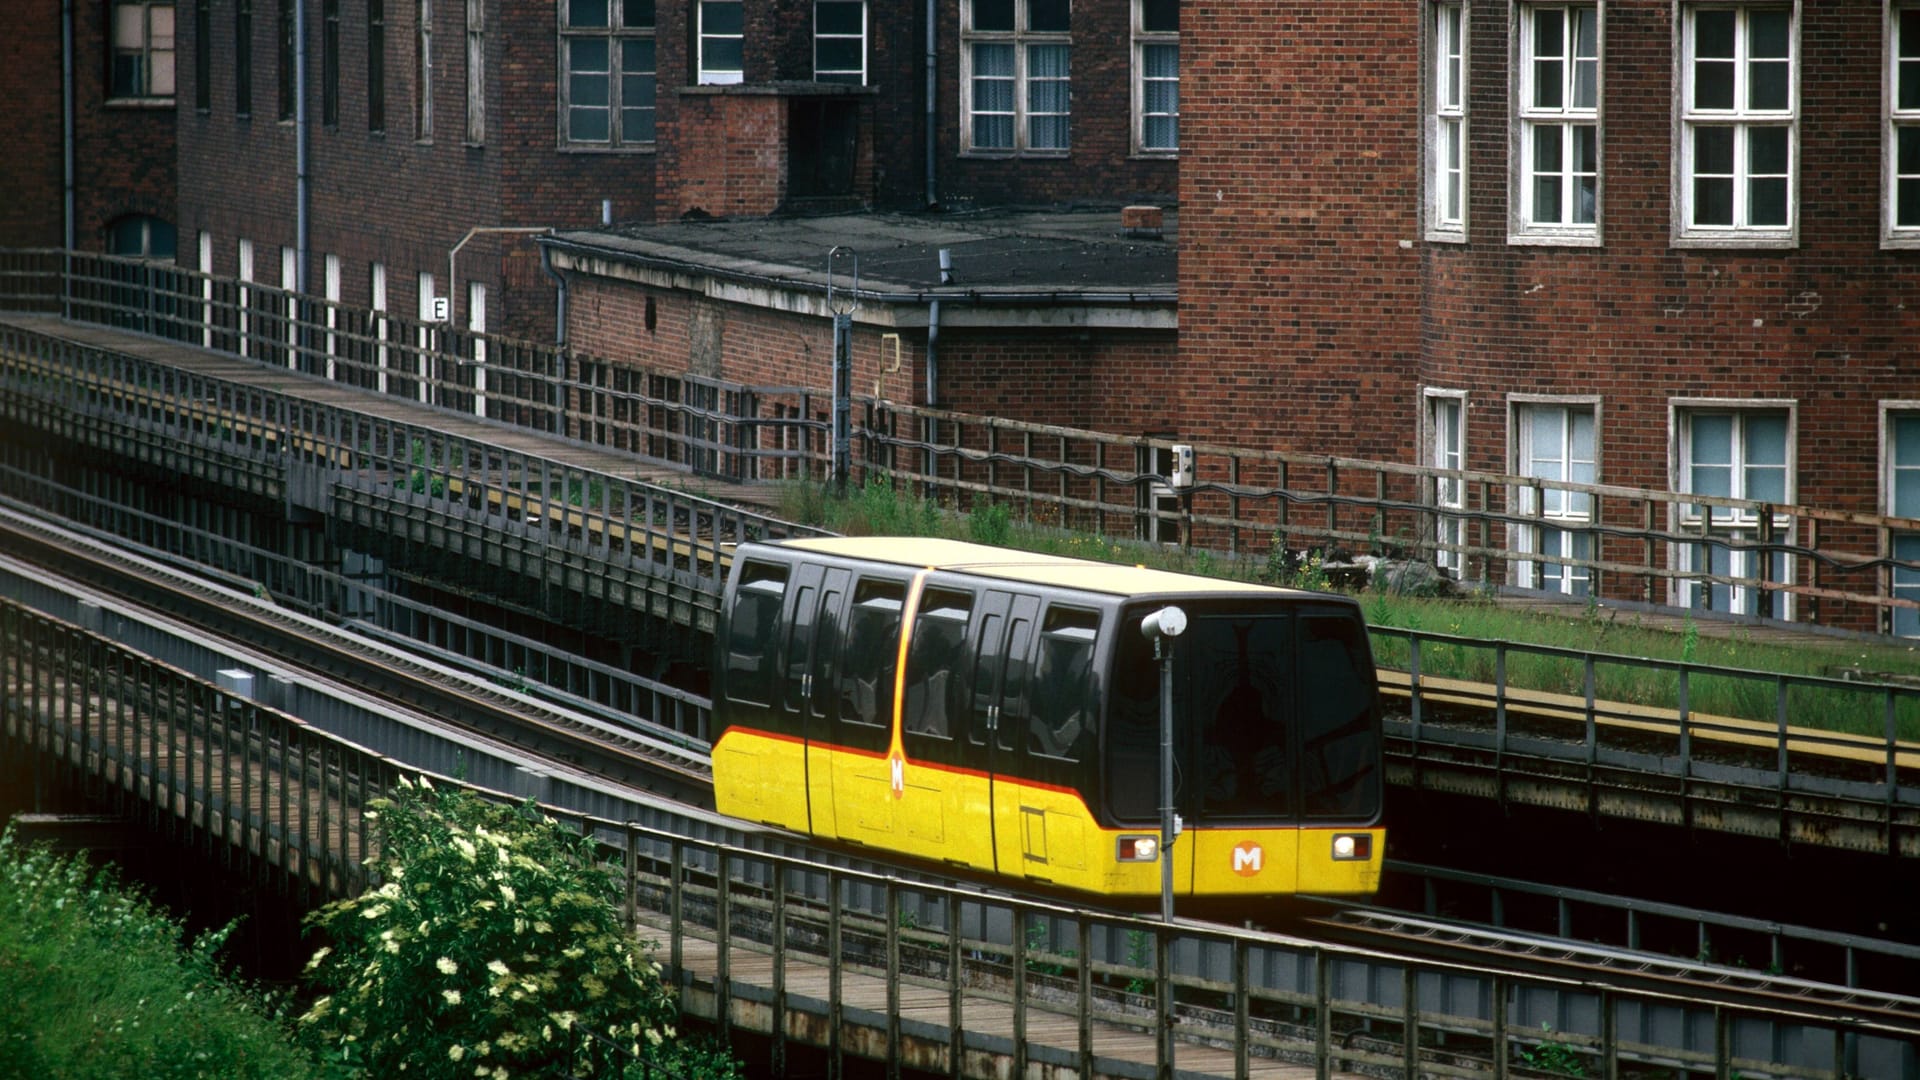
(1013, 684)
(872, 653)
(1063, 700)
(939, 645)
(752, 632)
(1339, 726)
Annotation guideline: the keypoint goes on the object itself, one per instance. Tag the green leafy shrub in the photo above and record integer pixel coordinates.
(97, 983)
(492, 936)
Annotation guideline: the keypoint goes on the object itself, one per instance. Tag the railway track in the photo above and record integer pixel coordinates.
(676, 767)
(659, 761)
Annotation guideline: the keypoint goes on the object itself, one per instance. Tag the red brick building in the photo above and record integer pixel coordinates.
(1633, 242)
(433, 125)
(112, 70)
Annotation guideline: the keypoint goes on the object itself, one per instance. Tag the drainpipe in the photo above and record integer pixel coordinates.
(559, 297)
(66, 120)
(933, 85)
(303, 173)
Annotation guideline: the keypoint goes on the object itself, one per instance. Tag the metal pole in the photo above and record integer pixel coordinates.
(842, 302)
(1161, 628)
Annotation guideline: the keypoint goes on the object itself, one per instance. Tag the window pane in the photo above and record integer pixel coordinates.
(1767, 36)
(1547, 84)
(1713, 33)
(1768, 86)
(636, 14)
(128, 76)
(129, 26)
(1549, 33)
(1907, 191)
(587, 57)
(1713, 151)
(1245, 707)
(722, 54)
(1161, 62)
(1767, 151)
(1051, 16)
(1713, 85)
(586, 14)
(993, 62)
(1712, 440)
(587, 125)
(161, 27)
(1161, 133)
(722, 16)
(837, 54)
(1159, 16)
(1049, 62)
(1766, 440)
(993, 14)
(838, 17)
(162, 75)
(993, 132)
(1048, 133)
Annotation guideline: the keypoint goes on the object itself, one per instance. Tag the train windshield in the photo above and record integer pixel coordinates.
(1274, 719)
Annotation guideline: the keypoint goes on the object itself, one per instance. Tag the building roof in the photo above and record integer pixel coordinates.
(1008, 255)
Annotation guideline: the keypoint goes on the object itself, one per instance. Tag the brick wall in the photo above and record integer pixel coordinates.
(1099, 378)
(123, 153)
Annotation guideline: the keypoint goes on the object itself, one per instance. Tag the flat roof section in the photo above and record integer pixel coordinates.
(1015, 255)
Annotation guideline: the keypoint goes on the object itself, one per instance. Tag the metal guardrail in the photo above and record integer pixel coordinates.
(1216, 998)
(1658, 545)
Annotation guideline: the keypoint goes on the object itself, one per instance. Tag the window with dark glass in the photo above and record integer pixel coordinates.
(752, 632)
(935, 661)
(1015, 87)
(285, 58)
(1339, 740)
(1062, 723)
(607, 72)
(1242, 699)
(840, 41)
(722, 42)
(203, 55)
(376, 65)
(243, 57)
(872, 655)
(330, 62)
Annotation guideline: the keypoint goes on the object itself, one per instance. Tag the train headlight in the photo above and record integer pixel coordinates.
(1139, 848)
(1351, 847)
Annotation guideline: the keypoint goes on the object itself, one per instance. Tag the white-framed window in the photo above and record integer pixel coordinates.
(607, 82)
(1738, 111)
(1015, 89)
(1900, 226)
(142, 50)
(476, 72)
(1900, 438)
(840, 41)
(377, 300)
(477, 323)
(1446, 444)
(330, 289)
(424, 340)
(722, 36)
(1156, 76)
(244, 296)
(423, 71)
(205, 265)
(284, 308)
(1733, 450)
(1556, 133)
(1555, 441)
(1446, 121)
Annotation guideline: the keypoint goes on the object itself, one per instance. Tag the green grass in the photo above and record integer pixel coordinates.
(877, 509)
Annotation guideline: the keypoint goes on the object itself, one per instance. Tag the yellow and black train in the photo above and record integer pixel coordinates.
(999, 712)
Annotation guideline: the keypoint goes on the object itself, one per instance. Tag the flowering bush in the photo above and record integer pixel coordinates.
(491, 937)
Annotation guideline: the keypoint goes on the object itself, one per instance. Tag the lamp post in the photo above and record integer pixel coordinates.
(842, 303)
(1161, 628)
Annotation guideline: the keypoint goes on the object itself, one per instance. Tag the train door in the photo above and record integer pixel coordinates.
(812, 647)
(862, 725)
(1245, 674)
(998, 720)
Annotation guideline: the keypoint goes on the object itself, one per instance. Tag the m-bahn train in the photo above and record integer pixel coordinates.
(998, 712)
